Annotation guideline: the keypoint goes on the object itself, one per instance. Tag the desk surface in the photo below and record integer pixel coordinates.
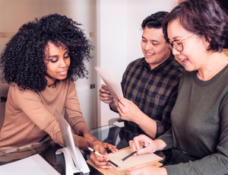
(48, 148)
(108, 133)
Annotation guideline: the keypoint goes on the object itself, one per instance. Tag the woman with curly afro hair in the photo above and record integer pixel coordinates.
(41, 63)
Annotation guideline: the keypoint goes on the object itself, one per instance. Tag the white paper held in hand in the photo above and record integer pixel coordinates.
(111, 81)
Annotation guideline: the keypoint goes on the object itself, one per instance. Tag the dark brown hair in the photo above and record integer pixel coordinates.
(154, 20)
(203, 18)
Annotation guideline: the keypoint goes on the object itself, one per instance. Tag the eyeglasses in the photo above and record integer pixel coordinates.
(178, 43)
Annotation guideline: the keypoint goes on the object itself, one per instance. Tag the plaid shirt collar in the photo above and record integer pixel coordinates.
(163, 68)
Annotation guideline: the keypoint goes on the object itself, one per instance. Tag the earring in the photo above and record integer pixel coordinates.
(207, 47)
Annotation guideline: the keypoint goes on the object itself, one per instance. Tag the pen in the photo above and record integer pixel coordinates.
(97, 153)
(133, 152)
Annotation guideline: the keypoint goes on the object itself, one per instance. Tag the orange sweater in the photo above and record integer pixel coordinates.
(30, 116)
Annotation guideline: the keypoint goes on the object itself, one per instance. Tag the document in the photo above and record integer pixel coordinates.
(111, 81)
(133, 160)
(34, 165)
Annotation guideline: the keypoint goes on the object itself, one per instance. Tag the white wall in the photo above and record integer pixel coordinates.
(14, 13)
(119, 37)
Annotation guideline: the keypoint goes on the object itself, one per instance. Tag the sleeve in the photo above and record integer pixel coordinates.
(216, 163)
(31, 104)
(74, 114)
(164, 124)
(168, 138)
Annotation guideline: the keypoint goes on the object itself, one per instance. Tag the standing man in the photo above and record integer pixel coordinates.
(149, 84)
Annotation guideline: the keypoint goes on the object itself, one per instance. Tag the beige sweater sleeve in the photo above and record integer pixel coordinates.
(75, 118)
(31, 104)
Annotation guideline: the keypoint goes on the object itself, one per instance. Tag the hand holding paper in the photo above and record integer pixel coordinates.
(105, 95)
(111, 81)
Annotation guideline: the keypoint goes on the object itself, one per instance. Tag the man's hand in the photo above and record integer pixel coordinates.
(128, 110)
(105, 95)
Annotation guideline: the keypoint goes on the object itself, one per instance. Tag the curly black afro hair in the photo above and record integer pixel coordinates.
(22, 60)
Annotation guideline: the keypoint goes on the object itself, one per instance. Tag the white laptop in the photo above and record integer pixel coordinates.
(74, 160)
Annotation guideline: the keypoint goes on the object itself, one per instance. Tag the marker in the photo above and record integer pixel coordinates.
(97, 153)
(133, 153)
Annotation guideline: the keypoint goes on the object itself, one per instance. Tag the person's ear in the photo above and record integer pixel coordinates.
(207, 42)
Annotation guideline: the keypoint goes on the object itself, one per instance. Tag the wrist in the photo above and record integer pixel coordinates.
(159, 144)
(113, 105)
(139, 117)
(89, 136)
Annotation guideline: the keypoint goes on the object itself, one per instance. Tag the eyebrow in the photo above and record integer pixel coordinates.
(67, 51)
(151, 40)
(176, 37)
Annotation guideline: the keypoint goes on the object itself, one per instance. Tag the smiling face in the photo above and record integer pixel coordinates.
(153, 46)
(194, 53)
(57, 62)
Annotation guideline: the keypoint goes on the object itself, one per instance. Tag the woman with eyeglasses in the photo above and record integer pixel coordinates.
(196, 31)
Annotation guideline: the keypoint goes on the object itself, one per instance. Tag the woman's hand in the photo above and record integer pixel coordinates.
(101, 162)
(110, 147)
(147, 170)
(141, 140)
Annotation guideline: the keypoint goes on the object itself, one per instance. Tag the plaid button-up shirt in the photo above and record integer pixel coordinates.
(153, 91)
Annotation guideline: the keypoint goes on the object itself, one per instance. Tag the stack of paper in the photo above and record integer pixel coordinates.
(111, 81)
(133, 160)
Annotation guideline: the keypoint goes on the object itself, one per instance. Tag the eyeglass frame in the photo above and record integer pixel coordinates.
(171, 45)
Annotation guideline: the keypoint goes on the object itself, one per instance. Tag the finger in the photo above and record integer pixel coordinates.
(106, 96)
(101, 164)
(98, 158)
(112, 148)
(107, 101)
(138, 142)
(120, 106)
(122, 100)
(132, 145)
(143, 139)
(105, 87)
(105, 91)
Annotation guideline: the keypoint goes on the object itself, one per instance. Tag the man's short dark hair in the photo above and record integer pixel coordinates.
(203, 18)
(154, 20)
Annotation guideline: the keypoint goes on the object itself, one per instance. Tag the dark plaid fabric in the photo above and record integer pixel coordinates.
(153, 91)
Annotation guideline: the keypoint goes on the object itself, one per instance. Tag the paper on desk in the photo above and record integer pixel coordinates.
(34, 165)
(110, 80)
(133, 160)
